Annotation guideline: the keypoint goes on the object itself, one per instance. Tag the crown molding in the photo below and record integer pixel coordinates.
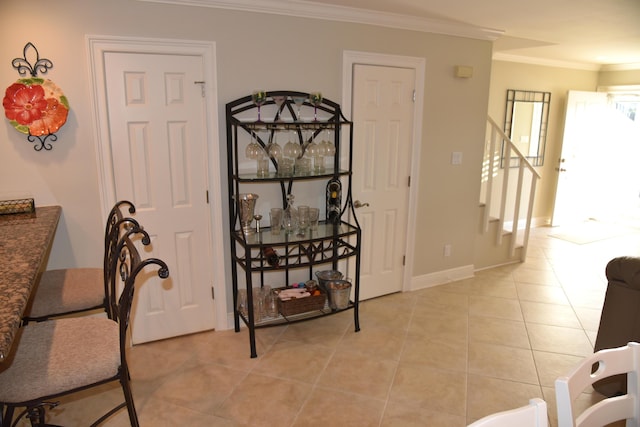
(310, 9)
(620, 67)
(498, 56)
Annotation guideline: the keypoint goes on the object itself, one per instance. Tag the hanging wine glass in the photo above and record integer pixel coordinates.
(316, 99)
(326, 148)
(279, 100)
(274, 149)
(311, 151)
(330, 147)
(259, 97)
(254, 149)
(299, 100)
(292, 149)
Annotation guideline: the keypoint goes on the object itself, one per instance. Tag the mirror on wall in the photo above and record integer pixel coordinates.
(526, 118)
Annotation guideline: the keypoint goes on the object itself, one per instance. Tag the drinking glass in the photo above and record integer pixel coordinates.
(302, 166)
(279, 100)
(253, 150)
(285, 167)
(241, 303)
(292, 150)
(271, 305)
(329, 146)
(299, 100)
(263, 167)
(259, 97)
(303, 220)
(276, 220)
(274, 149)
(258, 305)
(314, 215)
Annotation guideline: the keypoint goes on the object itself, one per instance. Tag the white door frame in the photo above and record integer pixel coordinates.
(97, 46)
(351, 58)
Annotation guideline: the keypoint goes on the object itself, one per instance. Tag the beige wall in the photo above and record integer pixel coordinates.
(619, 78)
(253, 51)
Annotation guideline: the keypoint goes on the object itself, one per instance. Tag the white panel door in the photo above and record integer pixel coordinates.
(158, 147)
(383, 111)
(581, 155)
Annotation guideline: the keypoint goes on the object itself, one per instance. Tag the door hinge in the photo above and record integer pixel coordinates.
(207, 196)
(202, 90)
(404, 259)
(409, 181)
(414, 96)
(213, 293)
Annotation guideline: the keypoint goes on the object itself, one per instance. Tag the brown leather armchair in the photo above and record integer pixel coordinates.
(620, 318)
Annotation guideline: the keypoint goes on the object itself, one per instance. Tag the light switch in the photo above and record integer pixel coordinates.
(456, 158)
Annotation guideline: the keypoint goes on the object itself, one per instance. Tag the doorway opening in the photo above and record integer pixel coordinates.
(599, 182)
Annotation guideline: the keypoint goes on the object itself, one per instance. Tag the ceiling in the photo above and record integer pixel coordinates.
(590, 34)
(580, 31)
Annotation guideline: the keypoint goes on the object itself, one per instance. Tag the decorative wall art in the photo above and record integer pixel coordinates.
(35, 106)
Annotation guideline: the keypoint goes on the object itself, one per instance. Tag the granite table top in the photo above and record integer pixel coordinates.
(25, 240)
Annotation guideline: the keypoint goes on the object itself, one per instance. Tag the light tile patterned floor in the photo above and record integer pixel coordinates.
(443, 356)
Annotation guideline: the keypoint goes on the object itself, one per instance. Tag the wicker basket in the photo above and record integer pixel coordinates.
(8, 207)
(301, 305)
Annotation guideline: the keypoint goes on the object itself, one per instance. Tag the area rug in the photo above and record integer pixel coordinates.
(591, 231)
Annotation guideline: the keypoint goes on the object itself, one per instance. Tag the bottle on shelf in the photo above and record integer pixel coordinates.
(334, 200)
(290, 216)
(271, 256)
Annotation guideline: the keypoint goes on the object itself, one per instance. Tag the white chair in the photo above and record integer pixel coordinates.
(532, 415)
(602, 364)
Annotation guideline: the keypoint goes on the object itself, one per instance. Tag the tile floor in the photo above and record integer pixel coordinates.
(443, 356)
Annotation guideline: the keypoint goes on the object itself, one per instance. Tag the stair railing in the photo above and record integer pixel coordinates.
(501, 159)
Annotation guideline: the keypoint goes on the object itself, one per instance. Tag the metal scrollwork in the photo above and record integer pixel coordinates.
(23, 65)
(43, 141)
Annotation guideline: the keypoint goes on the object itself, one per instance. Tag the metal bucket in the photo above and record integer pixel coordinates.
(339, 294)
(325, 276)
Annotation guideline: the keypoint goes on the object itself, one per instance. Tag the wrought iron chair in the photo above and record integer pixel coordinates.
(64, 356)
(602, 364)
(67, 291)
(532, 415)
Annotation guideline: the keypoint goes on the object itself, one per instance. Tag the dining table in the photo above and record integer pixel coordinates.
(25, 242)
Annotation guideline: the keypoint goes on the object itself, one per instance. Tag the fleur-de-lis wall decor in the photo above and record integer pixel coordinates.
(35, 106)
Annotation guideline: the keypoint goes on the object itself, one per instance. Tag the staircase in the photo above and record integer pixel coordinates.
(506, 201)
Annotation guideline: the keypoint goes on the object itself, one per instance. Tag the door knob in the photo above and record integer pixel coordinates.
(359, 204)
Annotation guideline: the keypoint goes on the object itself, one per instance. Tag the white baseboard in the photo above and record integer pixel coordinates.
(441, 277)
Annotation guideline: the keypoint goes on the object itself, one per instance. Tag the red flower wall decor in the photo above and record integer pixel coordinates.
(35, 106)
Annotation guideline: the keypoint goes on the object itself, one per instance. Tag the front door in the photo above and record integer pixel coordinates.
(579, 163)
(157, 129)
(383, 111)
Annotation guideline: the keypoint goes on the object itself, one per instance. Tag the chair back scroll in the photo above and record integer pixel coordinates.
(116, 222)
(126, 267)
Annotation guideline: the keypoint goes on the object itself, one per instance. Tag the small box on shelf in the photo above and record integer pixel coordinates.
(301, 305)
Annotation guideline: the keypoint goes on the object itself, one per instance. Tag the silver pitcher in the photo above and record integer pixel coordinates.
(246, 207)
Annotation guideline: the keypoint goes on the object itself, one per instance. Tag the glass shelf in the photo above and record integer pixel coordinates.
(272, 176)
(266, 238)
(289, 125)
